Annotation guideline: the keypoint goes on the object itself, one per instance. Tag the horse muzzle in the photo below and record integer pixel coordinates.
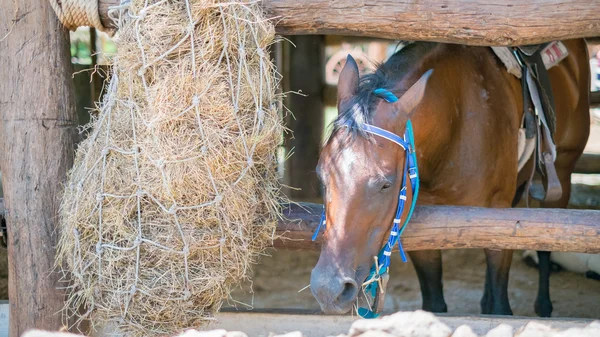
(335, 293)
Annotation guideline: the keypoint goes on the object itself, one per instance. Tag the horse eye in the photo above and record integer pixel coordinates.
(386, 186)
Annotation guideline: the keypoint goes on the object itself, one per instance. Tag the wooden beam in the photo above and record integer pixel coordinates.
(594, 99)
(593, 39)
(489, 23)
(336, 40)
(37, 128)
(588, 163)
(450, 227)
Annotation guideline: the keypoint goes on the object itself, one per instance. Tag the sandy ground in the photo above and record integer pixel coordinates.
(278, 279)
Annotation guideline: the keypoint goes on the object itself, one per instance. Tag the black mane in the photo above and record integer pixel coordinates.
(357, 112)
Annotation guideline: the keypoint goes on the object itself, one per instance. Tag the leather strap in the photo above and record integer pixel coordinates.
(545, 151)
(550, 179)
(529, 118)
(537, 69)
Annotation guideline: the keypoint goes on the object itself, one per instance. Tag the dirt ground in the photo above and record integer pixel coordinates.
(278, 279)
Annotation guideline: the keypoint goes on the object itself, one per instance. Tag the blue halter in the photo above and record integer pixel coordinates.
(410, 172)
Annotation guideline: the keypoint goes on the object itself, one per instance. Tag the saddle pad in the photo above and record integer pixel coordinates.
(525, 149)
(552, 54)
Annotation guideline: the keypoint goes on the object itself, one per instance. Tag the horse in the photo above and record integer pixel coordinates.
(466, 116)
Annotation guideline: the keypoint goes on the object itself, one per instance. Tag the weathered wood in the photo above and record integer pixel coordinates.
(594, 98)
(37, 107)
(449, 227)
(593, 39)
(491, 23)
(3, 241)
(83, 91)
(303, 73)
(103, 8)
(588, 163)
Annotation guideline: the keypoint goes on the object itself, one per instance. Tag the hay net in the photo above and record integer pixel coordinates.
(174, 194)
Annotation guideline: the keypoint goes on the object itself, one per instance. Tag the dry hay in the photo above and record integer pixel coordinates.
(174, 194)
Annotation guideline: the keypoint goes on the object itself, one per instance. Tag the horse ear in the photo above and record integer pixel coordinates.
(413, 96)
(348, 82)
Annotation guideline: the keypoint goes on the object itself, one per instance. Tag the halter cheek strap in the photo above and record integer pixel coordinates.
(375, 283)
(378, 275)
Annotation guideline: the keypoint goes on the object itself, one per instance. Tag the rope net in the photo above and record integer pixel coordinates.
(174, 193)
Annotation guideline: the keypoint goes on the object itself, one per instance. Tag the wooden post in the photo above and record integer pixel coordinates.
(304, 74)
(37, 107)
(451, 227)
(83, 92)
(588, 163)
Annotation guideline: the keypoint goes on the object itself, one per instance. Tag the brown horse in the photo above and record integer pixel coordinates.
(466, 118)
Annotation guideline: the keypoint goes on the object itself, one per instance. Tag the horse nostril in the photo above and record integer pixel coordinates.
(349, 292)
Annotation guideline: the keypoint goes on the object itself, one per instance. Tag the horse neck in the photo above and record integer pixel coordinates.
(435, 124)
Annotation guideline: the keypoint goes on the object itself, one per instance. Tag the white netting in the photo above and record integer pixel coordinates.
(174, 194)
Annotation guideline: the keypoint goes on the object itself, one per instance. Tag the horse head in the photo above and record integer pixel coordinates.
(362, 176)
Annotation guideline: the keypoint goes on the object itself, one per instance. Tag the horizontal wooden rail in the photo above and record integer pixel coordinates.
(448, 227)
(588, 163)
(479, 22)
(594, 98)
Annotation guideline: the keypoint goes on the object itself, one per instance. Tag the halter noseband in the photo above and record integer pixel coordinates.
(378, 274)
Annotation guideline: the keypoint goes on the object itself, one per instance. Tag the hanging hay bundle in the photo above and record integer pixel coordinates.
(174, 193)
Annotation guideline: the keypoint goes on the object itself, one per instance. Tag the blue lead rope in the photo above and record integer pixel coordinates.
(410, 172)
(321, 223)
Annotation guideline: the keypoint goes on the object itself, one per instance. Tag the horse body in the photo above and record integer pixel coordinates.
(466, 118)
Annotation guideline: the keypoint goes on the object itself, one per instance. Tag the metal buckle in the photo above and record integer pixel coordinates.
(412, 172)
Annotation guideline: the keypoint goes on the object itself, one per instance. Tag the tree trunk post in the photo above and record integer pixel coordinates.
(37, 128)
(305, 72)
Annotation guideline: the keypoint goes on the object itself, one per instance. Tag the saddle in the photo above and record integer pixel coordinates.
(539, 118)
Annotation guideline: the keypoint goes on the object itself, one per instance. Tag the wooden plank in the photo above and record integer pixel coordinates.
(449, 227)
(593, 39)
(262, 323)
(303, 74)
(497, 23)
(588, 163)
(38, 120)
(3, 235)
(594, 99)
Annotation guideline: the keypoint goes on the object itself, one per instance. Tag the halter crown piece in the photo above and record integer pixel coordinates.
(380, 268)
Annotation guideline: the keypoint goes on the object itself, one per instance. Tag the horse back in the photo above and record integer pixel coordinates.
(471, 157)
